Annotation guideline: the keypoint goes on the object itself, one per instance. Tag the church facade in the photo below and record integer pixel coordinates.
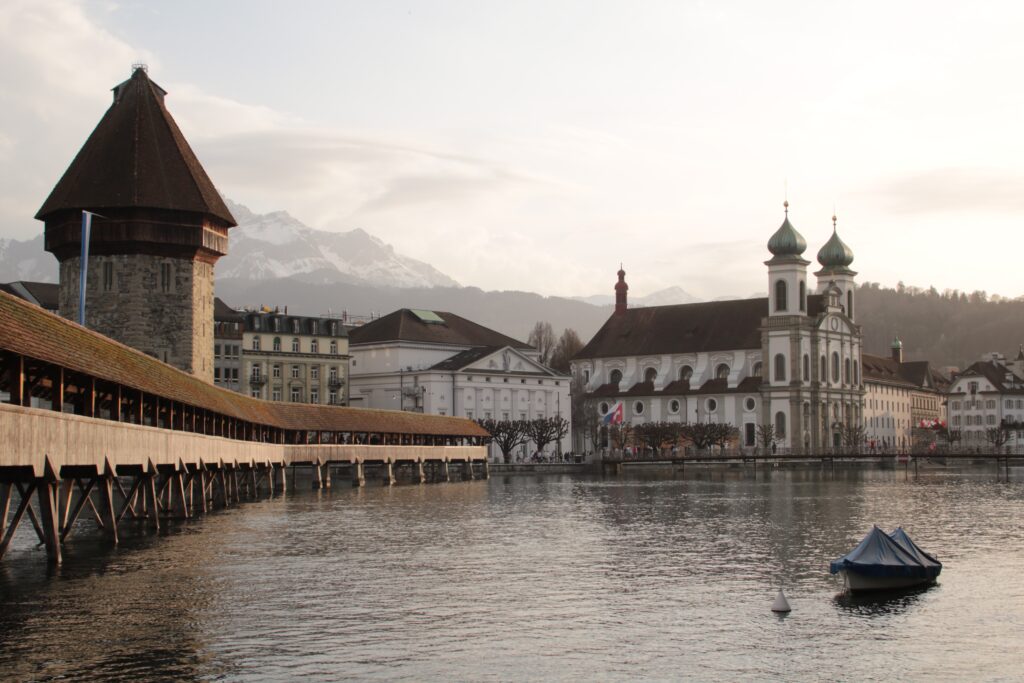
(791, 360)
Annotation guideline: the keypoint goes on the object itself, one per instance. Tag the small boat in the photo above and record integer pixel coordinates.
(886, 562)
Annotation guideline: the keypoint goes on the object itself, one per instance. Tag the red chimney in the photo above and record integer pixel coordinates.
(620, 292)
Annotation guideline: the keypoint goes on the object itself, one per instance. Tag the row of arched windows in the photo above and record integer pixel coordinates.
(850, 370)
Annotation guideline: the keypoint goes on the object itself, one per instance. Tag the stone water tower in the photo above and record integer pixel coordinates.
(160, 227)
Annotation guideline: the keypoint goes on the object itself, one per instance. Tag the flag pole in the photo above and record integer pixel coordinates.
(83, 265)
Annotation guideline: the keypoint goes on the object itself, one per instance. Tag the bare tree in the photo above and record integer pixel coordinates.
(621, 435)
(542, 338)
(657, 434)
(997, 436)
(568, 345)
(766, 435)
(704, 435)
(852, 435)
(544, 430)
(507, 434)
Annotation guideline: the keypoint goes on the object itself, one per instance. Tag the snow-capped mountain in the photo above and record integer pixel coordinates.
(26, 260)
(276, 245)
(663, 297)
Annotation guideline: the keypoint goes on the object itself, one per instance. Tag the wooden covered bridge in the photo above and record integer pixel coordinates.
(88, 425)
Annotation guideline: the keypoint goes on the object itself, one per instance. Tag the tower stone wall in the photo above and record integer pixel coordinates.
(162, 306)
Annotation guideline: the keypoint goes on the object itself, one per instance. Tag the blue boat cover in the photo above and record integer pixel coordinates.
(881, 555)
(900, 536)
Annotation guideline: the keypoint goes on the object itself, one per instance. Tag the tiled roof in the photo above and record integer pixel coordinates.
(684, 328)
(405, 325)
(996, 374)
(136, 158)
(29, 330)
(911, 373)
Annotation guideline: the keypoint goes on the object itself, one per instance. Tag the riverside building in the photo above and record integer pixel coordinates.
(792, 359)
(987, 394)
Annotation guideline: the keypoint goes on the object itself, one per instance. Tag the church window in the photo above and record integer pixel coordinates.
(673, 406)
(722, 371)
(711, 405)
(603, 408)
(807, 368)
(615, 377)
(846, 371)
(277, 343)
(295, 345)
(849, 303)
(638, 408)
(856, 373)
(835, 367)
(586, 376)
(685, 373)
(780, 368)
(780, 425)
(780, 295)
(822, 375)
(757, 369)
(650, 375)
(749, 404)
(803, 296)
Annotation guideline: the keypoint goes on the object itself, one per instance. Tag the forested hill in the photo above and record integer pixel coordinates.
(946, 328)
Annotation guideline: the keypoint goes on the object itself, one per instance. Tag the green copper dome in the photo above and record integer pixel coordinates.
(896, 343)
(787, 241)
(835, 253)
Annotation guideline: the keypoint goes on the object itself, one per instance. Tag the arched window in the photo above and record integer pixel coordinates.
(615, 377)
(780, 295)
(849, 303)
(822, 373)
(807, 368)
(722, 371)
(846, 371)
(803, 296)
(835, 367)
(277, 343)
(780, 425)
(756, 370)
(685, 373)
(856, 373)
(780, 368)
(650, 374)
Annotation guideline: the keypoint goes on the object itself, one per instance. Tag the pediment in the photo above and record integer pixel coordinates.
(507, 360)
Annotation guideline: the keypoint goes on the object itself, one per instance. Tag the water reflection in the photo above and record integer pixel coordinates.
(661, 576)
(881, 603)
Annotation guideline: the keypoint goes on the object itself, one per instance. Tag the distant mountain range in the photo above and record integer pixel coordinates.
(663, 297)
(26, 260)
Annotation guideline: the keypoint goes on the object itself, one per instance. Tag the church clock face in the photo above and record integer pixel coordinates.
(834, 323)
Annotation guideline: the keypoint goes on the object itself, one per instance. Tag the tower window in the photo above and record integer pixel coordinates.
(650, 375)
(803, 296)
(780, 295)
(685, 373)
(780, 368)
(108, 276)
(615, 377)
(807, 368)
(722, 371)
(165, 277)
(849, 303)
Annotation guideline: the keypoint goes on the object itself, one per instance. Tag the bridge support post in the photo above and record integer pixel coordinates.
(487, 469)
(389, 474)
(47, 491)
(467, 470)
(327, 475)
(283, 481)
(107, 495)
(421, 475)
(446, 474)
(358, 475)
(151, 498)
(317, 476)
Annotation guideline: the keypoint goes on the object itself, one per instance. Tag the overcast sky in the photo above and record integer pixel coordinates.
(535, 145)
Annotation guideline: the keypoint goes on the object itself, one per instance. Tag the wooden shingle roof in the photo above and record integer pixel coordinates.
(30, 331)
(136, 158)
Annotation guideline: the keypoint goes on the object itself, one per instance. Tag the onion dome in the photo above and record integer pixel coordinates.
(835, 253)
(896, 343)
(787, 241)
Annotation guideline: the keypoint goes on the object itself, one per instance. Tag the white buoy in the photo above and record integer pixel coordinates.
(781, 604)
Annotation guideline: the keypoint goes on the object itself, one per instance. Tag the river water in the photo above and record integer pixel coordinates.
(652, 576)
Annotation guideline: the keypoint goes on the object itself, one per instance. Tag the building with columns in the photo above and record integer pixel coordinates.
(792, 359)
(443, 364)
(159, 227)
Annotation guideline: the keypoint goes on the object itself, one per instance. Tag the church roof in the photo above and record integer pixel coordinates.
(430, 327)
(684, 328)
(136, 158)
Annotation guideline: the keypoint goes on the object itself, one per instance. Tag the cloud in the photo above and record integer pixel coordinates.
(947, 190)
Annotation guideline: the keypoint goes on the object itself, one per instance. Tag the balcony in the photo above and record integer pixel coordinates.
(335, 382)
(257, 381)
